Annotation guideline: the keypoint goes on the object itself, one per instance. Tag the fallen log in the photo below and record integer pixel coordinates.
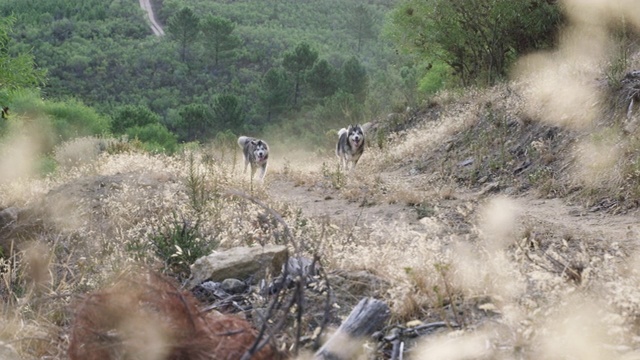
(365, 319)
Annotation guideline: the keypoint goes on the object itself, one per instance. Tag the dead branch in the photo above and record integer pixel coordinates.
(366, 318)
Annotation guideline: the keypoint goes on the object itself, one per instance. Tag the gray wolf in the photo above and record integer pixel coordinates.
(350, 146)
(256, 154)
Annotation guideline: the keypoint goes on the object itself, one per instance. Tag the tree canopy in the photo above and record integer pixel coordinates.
(249, 64)
(19, 71)
(478, 39)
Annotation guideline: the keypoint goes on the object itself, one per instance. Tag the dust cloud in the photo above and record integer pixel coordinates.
(22, 145)
(463, 346)
(497, 225)
(574, 332)
(295, 153)
(18, 155)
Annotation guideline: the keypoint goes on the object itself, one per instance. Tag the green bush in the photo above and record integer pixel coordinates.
(130, 116)
(477, 39)
(71, 118)
(435, 78)
(179, 244)
(155, 137)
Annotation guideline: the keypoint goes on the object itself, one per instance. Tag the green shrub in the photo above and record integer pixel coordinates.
(337, 178)
(131, 116)
(155, 138)
(435, 78)
(479, 48)
(71, 118)
(179, 244)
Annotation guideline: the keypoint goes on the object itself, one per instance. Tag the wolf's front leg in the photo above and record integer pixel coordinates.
(246, 164)
(263, 171)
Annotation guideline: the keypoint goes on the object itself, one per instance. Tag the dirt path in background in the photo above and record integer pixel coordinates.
(554, 214)
(550, 218)
(155, 27)
(324, 203)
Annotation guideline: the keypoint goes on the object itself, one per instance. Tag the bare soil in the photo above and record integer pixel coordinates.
(545, 215)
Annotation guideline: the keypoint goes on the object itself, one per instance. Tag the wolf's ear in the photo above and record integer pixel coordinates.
(254, 142)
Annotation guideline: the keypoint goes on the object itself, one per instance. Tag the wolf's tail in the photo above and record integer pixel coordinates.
(243, 140)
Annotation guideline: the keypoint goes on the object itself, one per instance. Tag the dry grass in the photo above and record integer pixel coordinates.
(435, 272)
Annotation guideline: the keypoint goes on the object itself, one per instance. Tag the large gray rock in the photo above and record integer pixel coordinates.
(239, 263)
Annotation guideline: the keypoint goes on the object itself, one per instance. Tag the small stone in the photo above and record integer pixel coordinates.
(233, 286)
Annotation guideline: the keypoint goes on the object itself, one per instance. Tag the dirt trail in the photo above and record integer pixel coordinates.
(155, 27)
(558, 216)
(323, 203)
(549, 216)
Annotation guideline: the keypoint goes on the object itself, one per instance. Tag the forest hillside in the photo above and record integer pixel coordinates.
(221, 66)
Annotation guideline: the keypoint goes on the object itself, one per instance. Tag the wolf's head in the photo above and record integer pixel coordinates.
(260, 149)
(356, 135)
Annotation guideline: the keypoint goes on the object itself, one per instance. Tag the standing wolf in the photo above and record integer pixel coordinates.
(256, 153)
(350, 146)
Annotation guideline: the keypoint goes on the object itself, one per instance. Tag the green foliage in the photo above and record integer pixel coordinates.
(340, 108)
(355, 79)
(275, 92)
(228, 113)
(478, 39)
(105, 54)
(18, 71)
(218, 35)
(434, 79)
(297, 62)
(129, 116)
(155, 137)
(196, 123)
(323, 79)
(361, 24)
(179, 244)
(47, 165)
(72, 118)
(49, 123)
(184, 28)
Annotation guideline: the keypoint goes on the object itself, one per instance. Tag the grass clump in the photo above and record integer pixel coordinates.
(179, 244)
(336, 177)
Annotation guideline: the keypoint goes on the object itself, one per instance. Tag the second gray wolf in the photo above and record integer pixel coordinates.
(350, 146)
(256, 154)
